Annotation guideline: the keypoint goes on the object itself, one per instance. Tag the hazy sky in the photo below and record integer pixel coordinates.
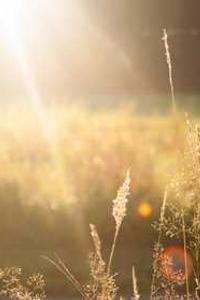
(96, 47)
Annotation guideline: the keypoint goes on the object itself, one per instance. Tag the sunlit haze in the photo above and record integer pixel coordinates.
(99, 149)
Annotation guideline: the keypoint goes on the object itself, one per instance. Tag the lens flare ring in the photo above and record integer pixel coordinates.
(172, 264)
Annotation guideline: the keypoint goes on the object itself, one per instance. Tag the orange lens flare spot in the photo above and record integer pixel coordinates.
(145, 209)
(172, 264)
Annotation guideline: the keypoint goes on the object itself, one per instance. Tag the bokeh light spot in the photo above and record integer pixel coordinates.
(145, 209)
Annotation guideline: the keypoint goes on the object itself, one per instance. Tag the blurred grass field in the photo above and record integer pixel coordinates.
(60, 169)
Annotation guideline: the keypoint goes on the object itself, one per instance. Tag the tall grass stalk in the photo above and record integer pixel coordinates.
(174, 109)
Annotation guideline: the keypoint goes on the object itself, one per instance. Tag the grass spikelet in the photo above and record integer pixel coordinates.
(119, 212)
(96, 241)
(119, 203)
(169, 65)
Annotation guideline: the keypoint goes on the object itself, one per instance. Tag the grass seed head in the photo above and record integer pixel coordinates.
(119, 203)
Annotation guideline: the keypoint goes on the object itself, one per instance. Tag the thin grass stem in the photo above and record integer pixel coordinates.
(158, 244)
(185, 256)
(113, 249)
(63, 270)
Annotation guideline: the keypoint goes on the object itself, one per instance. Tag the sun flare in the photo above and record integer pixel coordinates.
(11, 15)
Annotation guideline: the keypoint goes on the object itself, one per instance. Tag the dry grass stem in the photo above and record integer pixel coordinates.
(60, 266)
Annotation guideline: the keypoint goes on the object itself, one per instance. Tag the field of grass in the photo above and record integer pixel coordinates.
(60, 169)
